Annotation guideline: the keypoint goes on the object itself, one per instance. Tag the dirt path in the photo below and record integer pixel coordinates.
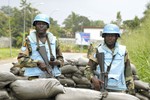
(8, 60)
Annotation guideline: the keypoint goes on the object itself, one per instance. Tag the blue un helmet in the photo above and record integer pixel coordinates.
(111, 29)
(41, 17)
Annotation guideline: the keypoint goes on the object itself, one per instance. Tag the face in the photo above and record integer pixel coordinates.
(41, 27)
(110, 39)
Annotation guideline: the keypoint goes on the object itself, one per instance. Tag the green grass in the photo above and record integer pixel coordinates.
(138, 45)
(6, 53)
(73, 48)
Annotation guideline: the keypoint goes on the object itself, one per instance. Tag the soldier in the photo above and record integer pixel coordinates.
(117, 67)
(90, 50)
(32, 59)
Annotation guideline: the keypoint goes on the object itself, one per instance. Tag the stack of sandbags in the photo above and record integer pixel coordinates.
(6, 78)
(36, 89)
(134, 72)
(142, 88)
(87, 94)
(13, 88)
(73, 72)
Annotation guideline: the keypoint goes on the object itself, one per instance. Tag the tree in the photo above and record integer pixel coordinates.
(4, 30)
(119, 19)
(71, 22)
(132, 23)
(75, 23)
(97, 23)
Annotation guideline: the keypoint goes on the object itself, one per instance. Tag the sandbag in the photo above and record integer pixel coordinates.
(141, 85)
(4, 95)
(15, 70)
(81, 80)
(120, 96)
(69, 69)
(78, 74)
(83, 86)
(141, 97)
(6, 78)
(136, 77)
(70, 61)
(145, 93)
(67, 82)
(82, 68)
(133, 68)
(79, 94)
(82, 61)
(36, 89)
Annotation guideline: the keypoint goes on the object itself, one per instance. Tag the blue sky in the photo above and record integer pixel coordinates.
(105, 10)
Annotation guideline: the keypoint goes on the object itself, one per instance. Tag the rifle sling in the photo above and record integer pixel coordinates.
(48, 41)
(108, 67)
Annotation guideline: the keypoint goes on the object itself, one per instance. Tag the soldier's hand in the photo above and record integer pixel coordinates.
(54, 63)
(42, 65)
(96, 83)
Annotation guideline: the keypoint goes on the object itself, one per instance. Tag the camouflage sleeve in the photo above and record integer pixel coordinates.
(91, 66)
(59, 55)
(128, 75)
(24, 56)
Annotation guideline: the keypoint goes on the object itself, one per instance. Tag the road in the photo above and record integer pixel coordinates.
(5, 65)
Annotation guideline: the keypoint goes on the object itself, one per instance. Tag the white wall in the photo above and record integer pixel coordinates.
(95, 33)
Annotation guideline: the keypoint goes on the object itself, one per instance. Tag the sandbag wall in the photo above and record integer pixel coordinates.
(73, 73)
(14, 88)
(142, 89)
(72, 76)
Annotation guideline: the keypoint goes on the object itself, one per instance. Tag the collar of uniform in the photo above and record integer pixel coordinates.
(114, 51)
(51, 37)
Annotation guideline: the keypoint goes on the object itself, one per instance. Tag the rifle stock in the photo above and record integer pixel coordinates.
(100, 59)
(43, 53)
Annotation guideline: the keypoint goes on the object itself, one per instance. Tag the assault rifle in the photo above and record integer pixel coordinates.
(103, 78)
(43, 53)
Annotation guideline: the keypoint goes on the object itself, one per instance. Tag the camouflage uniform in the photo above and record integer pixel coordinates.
(24, 59)
(128, 73)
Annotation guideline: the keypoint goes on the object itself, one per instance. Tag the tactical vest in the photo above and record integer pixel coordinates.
(36, 71)
(116, 78)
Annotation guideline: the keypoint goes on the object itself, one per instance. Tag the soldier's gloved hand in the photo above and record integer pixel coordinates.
(54, 63)
(42, 65)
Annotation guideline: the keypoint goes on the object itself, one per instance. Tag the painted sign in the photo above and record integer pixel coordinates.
(82, 38)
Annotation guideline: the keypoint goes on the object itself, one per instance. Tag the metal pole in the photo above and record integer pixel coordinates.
(31, 17)
(10, 31)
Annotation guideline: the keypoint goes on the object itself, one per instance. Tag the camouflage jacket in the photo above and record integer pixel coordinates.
(24, 59)
(128, 72)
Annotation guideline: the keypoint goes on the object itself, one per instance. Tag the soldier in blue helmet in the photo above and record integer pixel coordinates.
(30, 57)
(119, 75)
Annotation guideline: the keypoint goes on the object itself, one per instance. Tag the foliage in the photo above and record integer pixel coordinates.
(76, 23)
(73, 48)
(137, 42)
(119, 19)
(132, 23)
(4, 31)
